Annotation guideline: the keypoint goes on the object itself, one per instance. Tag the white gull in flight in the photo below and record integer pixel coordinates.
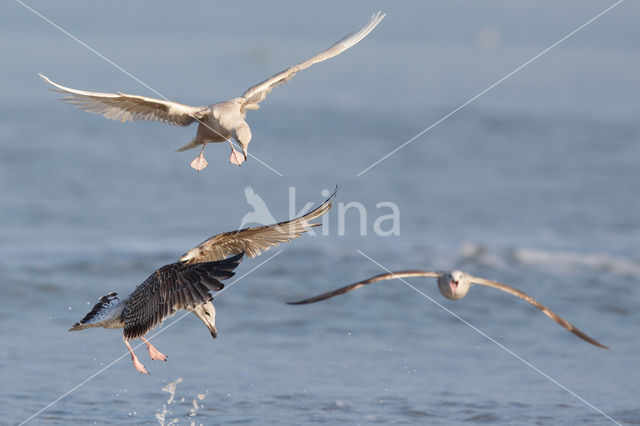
(218, 122)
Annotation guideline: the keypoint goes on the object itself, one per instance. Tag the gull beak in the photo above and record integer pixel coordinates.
(453, 285)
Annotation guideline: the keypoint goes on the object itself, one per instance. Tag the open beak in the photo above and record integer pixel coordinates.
(453, 285)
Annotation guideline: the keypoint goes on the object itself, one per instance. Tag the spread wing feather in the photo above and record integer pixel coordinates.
(123, 107)
(257, 93)
(171, 288)
(354, 286)
(548, 312)
(254, 240)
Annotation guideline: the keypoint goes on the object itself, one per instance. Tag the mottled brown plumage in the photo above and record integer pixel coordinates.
(187, 283)
(171, 288)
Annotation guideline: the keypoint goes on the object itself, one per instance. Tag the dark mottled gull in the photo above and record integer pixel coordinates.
(218, 122)
(186, 284)
(454, 285)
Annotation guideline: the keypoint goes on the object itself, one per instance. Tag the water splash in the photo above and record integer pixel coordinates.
(171, 389)
(196, 407)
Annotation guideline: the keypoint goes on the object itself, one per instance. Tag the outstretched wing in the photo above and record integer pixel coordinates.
(171, 288)
(255, 240)
(257, 93)
(548, 312)
(123, 107)
(381, 277)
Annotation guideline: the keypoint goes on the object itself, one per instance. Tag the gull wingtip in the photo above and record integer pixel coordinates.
(376, 18)
(333, 194)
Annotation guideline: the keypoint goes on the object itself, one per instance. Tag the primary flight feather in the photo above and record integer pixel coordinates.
(219, 122)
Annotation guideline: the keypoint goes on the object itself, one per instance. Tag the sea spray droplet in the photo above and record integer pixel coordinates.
(161, 416)
(195, 408)
(171, 388)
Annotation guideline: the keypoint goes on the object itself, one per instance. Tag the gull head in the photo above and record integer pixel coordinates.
(106, 313)
(243, 135)
(454, 285)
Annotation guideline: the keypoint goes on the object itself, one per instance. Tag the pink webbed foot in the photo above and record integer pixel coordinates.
(155, 354)
(199, 163)
(138, 365)
(236, 157)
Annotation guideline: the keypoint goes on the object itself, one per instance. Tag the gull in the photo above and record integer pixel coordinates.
(185, 285)
(454, 285)
(218, 122)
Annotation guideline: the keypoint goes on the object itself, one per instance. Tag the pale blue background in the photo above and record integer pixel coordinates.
(534, 184)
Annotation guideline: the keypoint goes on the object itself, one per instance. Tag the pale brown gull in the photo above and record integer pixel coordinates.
(454, 285)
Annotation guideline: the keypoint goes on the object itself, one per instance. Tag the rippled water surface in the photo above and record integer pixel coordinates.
(535, 183)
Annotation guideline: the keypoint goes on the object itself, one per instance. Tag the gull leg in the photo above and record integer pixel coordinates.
(236, 157)
(153, 352)
(136, 363)
(199, 162)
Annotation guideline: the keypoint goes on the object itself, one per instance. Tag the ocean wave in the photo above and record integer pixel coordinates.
(550, 260)
(145, 253)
